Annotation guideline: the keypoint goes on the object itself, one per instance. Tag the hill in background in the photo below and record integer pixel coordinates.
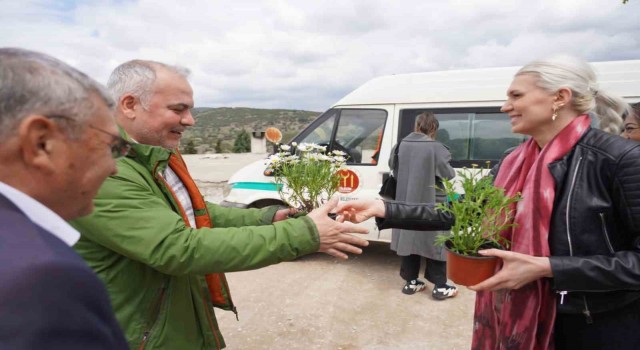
(217, 128)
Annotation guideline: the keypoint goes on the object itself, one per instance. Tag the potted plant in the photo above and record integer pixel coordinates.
(481, 214)
(306, 174)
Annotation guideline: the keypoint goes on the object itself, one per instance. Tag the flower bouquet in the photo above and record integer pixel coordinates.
(306, 174)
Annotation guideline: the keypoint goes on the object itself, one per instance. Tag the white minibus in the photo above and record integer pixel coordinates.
(369, 121)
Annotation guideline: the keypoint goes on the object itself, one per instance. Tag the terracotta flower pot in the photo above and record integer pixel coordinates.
(467, 270)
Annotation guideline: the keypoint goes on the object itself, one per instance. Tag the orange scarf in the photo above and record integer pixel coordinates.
(217, 282)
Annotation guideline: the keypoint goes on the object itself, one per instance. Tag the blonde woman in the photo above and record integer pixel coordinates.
(572, 276)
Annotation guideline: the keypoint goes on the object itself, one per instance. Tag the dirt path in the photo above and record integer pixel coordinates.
(319, 302)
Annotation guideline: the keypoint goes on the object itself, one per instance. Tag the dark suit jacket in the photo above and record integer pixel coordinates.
(49, 297)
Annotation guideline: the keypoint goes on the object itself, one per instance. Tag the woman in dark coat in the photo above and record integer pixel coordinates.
(422, 163)
(572, 277)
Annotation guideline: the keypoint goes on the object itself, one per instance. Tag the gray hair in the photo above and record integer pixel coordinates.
(577, 75)
(635, 113)
(136, 77)
(35, 83)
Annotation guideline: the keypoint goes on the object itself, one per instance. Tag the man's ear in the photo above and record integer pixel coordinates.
(39, 139)
(128, 104)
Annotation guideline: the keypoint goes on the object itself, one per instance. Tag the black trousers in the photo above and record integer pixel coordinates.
(435, 270)
(615, 329)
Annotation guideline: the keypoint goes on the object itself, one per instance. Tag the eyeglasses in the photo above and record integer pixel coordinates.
(119, 146)
(629, 129)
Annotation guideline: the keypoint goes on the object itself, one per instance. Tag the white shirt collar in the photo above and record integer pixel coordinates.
(41, 215)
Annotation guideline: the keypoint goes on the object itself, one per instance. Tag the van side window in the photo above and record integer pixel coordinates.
(454, 132)
(492, 136)
(472, 135)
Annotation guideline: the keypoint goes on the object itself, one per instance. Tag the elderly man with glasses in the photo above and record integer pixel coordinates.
(159, 247)
(59, 139)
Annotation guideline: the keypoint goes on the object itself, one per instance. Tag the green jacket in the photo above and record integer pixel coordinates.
(153, 265)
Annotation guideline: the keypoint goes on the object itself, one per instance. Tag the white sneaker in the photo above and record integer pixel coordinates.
(413, 286)
(444, 292)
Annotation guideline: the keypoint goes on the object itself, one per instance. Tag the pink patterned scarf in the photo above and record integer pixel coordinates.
(523, 318)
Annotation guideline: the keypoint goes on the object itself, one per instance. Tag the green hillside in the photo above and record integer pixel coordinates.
(220, 126)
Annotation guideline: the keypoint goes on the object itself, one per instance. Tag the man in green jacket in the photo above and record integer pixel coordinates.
(158, 246)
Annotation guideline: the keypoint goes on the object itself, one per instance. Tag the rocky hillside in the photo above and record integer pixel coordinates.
(219, 127)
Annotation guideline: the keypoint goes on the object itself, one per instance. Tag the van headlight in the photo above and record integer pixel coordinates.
(226, 189)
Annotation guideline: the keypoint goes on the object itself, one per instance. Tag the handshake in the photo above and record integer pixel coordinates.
(360, 210)
(334, 235)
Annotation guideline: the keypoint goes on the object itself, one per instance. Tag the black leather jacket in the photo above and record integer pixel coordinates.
(595, 225)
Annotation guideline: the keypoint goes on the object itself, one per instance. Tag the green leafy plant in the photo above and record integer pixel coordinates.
(481, 214)
(306, 174)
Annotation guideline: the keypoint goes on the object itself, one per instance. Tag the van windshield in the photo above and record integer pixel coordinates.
(357, 132)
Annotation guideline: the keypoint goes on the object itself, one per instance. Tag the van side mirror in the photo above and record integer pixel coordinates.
(273, 135)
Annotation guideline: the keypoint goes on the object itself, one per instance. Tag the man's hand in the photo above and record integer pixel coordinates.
(517, 270)
(360, 210)
(283, 214)
(334, 235)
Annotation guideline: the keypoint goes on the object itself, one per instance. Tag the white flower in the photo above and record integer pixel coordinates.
(294, 144)
(339, 159)
(273, 159)
(312, 156)
(305, 147)
(285, 147)
(325, 158)
(290, 158)
(338, 153)
(320, 148)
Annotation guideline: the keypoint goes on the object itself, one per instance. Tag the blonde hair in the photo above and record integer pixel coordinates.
(563, 71)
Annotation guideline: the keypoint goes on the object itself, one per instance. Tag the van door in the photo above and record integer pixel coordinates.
(364, 134)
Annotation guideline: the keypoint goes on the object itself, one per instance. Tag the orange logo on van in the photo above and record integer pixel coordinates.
(349, 181)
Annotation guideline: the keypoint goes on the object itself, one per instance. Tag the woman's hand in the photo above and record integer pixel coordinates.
(517, 270)
(360, 210)
(335, 235)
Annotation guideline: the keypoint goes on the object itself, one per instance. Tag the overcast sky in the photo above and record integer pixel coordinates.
(307, 54)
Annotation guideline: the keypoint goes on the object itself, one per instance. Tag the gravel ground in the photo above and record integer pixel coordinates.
(319, 302)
